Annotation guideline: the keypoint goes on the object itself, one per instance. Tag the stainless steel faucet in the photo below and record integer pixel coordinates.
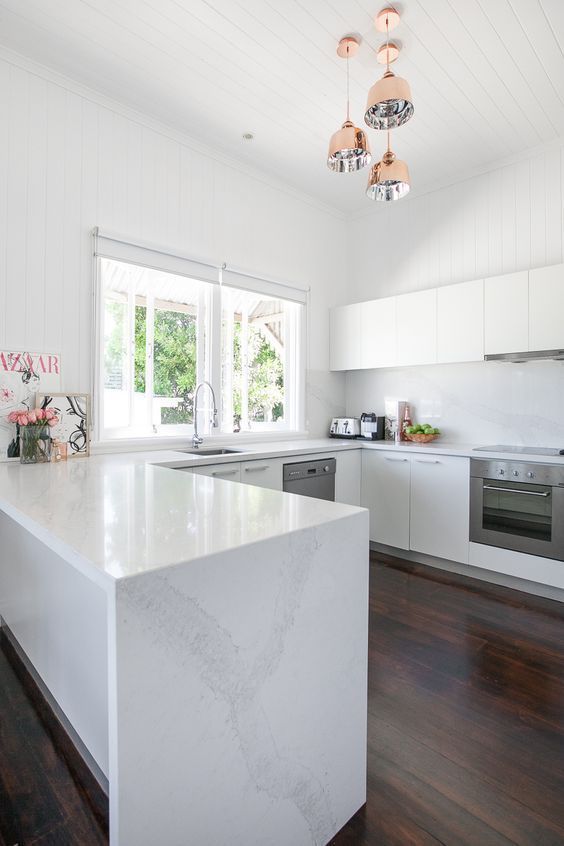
(196, 438)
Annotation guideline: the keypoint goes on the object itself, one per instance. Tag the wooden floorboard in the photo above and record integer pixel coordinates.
(466, 725)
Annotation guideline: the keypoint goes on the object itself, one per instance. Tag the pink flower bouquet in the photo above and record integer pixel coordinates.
(33, 427)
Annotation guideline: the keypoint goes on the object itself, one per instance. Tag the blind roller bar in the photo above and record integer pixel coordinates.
(110, 246)
(258, 284)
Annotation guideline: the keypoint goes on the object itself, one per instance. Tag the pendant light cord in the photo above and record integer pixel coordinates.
(387, 43)
(348, 84)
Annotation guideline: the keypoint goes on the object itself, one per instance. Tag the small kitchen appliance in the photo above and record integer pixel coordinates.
(345, 427)
(372, 427)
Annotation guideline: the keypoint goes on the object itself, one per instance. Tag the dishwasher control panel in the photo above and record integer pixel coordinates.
(308, 469)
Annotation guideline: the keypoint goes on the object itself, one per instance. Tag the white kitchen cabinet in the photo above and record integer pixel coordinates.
(506, 313)
(439, 506)
(264, 473)
(546, 308)
(378, 327)
(460, 322)
(347, 479)
(231, 471)
(385, 492)
(344, 333)
(416, 335)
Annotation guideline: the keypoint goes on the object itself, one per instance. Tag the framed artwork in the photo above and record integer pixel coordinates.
(73, 428)
(22, 375)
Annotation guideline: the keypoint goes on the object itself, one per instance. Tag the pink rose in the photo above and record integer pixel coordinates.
(32, 418)
(53, 421)
(13, 417)
(40, 414)
(23, 419)
(49, 414)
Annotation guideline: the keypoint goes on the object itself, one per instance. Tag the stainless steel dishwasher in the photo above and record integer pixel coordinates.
(311, 478)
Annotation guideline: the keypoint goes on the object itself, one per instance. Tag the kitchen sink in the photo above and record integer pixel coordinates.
(211, 451)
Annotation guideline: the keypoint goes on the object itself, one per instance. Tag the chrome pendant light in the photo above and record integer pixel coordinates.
(348, 147)
(388, 179)
(389, 103)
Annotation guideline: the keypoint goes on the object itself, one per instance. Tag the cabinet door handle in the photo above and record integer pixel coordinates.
(224, 472)
(427, 461)
(395, 459)
(257, 469)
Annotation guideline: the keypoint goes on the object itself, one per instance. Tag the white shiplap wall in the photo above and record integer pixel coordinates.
(510, 218)
(70, 160)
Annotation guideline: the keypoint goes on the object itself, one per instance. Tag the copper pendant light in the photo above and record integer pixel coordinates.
(389, 103)
(348, 147)
(388, 179)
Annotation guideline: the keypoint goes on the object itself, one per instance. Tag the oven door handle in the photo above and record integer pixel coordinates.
(516, 490)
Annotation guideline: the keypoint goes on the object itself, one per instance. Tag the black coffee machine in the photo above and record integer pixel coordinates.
(372, 426)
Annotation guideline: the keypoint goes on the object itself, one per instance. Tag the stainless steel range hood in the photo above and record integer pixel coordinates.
(522, 357)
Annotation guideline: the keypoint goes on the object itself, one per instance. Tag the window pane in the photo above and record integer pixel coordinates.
(175, 374)
(255, 360)
(116, 404)
(154, 343)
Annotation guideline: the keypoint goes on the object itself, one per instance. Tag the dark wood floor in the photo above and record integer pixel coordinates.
(466, 725)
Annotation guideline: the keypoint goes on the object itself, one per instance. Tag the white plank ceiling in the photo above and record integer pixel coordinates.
(487, 76)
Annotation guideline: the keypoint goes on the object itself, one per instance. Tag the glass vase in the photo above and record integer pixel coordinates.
(35, 444)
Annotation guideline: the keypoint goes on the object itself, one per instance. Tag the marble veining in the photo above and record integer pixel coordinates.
(190, 635)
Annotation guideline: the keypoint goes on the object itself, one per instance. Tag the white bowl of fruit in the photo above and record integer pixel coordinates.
(421, 433)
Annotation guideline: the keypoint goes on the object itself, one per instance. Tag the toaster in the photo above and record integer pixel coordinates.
(345, 427)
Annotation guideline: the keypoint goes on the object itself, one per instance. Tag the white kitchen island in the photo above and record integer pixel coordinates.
(206, 640)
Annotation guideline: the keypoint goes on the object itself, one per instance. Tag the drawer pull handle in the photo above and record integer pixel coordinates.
(224, 472)
(257, 469)
(427, 461)
(395, 459)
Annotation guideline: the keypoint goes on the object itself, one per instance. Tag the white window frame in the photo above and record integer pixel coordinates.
(209, 366)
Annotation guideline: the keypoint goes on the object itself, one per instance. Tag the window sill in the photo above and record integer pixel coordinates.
(162, 442)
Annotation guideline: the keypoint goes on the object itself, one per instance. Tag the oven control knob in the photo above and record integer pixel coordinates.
(530, 475)
(326, 468)
(501, 472)
(515, 472)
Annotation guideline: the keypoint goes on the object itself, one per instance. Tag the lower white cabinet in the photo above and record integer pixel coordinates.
(439, 506)
(385, 492)
(231, 472)
(347, 480)
(265, 473)
(418, 502)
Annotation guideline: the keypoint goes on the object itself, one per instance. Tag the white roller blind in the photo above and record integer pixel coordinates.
(110, 246)
(258, 284)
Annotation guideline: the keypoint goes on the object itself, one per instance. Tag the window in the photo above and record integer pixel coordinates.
(161, 333)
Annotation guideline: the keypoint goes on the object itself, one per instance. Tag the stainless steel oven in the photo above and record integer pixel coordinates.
(517, 505)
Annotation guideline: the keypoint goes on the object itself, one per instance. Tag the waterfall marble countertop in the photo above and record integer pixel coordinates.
(116, 516)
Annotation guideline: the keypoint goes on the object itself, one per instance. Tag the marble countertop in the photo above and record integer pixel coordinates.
(119, 515)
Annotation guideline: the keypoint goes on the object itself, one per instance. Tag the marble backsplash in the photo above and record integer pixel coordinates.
(481, 402)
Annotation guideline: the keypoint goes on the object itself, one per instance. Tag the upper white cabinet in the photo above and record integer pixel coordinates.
(378, 333)
(460, 322)
(546, 308)
(417, 328)
(506, 313)
(439, 506)
(385, 492)
(344, 333)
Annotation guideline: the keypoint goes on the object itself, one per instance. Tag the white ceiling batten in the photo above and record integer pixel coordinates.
(486, 77)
